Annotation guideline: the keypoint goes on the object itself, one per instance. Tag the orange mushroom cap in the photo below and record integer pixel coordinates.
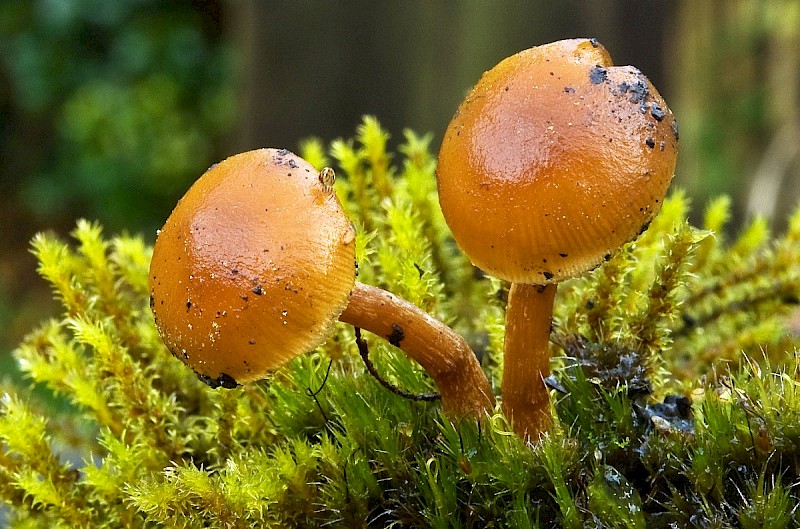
(252, 268)
(553, 161)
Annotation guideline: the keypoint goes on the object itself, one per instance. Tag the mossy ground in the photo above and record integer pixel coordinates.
(676, 388)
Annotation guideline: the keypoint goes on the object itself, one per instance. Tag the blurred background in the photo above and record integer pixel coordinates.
(110, 110)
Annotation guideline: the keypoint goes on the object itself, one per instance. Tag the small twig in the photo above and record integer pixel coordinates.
(313, 394)
(363, 350)
(346, 485)
(463, 460)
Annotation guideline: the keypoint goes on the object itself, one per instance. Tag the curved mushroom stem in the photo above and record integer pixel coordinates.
(443, 353)
(526, 363)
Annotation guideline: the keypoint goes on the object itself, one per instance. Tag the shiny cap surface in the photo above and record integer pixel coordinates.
(252, 268)
(553, 161)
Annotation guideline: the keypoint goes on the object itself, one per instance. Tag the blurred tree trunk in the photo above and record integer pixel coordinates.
(312, 68)
(737, 78)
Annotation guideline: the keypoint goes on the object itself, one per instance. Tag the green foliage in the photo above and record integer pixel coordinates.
(691, 292)
(106, 98)
(642, 437)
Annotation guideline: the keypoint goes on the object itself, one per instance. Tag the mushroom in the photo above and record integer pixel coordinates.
(553, 161)
(257, 262)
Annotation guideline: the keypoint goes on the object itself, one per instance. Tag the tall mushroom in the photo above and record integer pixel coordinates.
(553, 161)
(257, 262)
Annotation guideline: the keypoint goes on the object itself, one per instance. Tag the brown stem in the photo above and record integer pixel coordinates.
(526, 359)
(443, 353)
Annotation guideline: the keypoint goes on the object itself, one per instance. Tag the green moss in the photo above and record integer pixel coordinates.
(675, 388)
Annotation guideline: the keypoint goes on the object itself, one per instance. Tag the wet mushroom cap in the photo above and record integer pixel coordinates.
(252, 268)
(554, 160)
